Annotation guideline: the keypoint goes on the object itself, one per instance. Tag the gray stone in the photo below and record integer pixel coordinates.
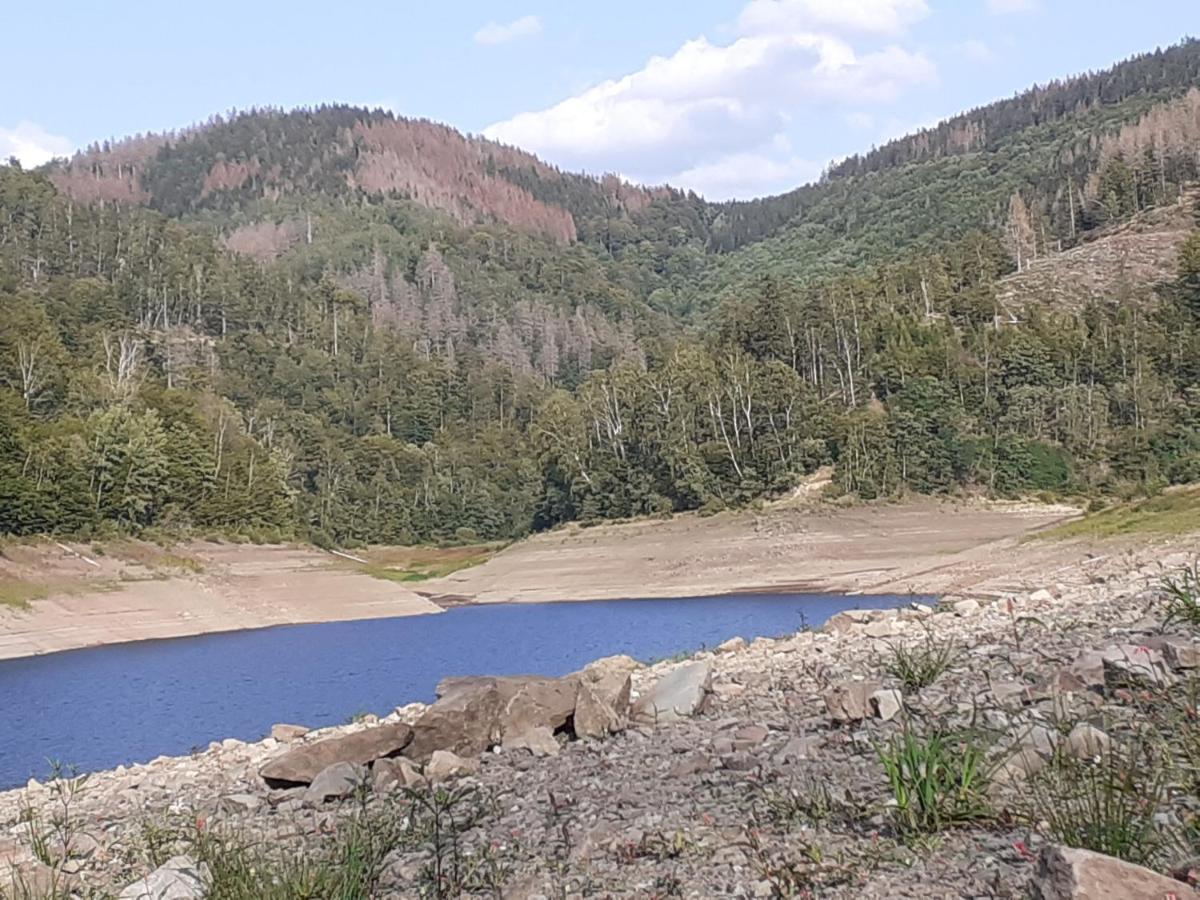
(444, 766)
(335, 782)
(302, 764)
(179, 878)
(677, 695)
(1064, 873)
(1041, 596)
(886, 704)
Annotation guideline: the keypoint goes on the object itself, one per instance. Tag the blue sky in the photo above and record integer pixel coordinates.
(729, 97)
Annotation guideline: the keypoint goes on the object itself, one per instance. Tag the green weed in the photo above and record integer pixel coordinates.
(937, 779)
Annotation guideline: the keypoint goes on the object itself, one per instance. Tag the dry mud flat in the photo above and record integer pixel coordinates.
(137, 591)
(921, 547)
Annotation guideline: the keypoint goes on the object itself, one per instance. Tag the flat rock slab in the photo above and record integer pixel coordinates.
(304, 763)
(676, 696)
(180, 878)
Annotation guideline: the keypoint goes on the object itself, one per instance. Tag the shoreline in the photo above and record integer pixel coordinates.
(1100, 607)
(922, 548)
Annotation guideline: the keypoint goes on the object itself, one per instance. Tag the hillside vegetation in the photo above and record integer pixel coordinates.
(349, 327)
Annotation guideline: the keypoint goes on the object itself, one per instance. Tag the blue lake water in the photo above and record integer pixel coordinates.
(99, 707)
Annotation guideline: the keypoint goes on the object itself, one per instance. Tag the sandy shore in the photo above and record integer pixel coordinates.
(135, 591)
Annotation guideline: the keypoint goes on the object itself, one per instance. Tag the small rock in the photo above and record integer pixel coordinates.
(285, 733)
(444, 766)
(239, 804)
(965, 607)
(851, 700)
(1135, 666)
(398, 772)
(1064, 873)
(799, 749)
(1041, 596)
(886, 704)
(691, 764)
(733, 645)
(538, 741)
(749, 737)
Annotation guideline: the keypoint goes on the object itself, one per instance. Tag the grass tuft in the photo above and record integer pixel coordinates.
(918, 665)
(938, 779)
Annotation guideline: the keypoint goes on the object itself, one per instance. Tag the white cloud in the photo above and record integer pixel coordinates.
(495, 33)
(32, 144)
(1007, 7)
(977, 51)
(838, 16)
(772, 170)
(859, 120)
(707, 112)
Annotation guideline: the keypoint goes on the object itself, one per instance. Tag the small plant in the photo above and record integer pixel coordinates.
(938, 779)
(1182, 593)
(1106, 804)
(919, 665)
(438, 821)
(803, 801)
(802, 873)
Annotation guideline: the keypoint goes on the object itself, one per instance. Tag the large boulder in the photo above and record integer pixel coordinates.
(179, 878)
(1064, 873)
(677, 695)
(303, 763)
(473, 714)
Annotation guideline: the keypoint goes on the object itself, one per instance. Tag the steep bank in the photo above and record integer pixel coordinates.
(139, 592)
(772, 790)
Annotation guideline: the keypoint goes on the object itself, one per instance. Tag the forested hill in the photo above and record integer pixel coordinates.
(342, 326)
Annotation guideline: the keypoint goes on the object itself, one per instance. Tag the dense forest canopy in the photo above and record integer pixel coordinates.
(343, 326)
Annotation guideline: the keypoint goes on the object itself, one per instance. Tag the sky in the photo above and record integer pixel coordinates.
(731, 98)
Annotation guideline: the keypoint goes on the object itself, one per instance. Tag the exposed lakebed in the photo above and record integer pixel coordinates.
(104, 706)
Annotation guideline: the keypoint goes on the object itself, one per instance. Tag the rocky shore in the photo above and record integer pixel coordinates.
(947, 752)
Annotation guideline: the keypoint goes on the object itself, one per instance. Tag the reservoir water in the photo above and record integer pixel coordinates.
(96, 708)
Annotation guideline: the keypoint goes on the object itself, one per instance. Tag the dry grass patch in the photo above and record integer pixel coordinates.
(1171, 513)
(410, 564)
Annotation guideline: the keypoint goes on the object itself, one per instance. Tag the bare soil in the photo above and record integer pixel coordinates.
(921, 547)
